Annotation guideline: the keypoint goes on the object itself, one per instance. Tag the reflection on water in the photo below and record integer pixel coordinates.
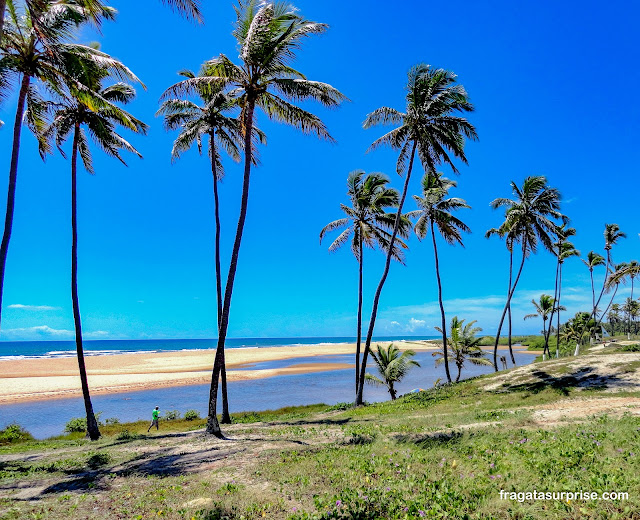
(46, 418)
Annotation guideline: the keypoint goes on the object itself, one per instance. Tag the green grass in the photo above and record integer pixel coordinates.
(444, 453)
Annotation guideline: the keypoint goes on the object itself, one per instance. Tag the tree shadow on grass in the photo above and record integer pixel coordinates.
(160, 465)
(430, 440)
(585, 378)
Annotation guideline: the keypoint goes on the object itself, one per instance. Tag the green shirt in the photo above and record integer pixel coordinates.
(155, 414)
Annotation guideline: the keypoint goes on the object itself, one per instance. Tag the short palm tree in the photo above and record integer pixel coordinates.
(213, 121)
(35, 47)
(529, 216)
(429, 127)
(631, 271)
(544, 309)
(393, 365)
(91, 112)
(367, 224)
(436, 212)
(268, 36)
(464, 346)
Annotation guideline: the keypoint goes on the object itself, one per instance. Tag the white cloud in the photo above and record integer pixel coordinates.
(416, 324)
(33, 307)
(46, 332)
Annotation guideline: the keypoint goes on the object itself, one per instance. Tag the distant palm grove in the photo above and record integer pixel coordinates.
(71, 98)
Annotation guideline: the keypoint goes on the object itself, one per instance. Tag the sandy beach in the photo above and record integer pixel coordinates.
(35, 379)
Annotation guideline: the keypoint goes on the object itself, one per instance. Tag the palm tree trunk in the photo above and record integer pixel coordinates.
(3, 4)
(213, 427)
(504, 312)
(459, 372)
(359, 335)
(553, 308)
(629, 315)
(443, 319)
(226, 418)
(13, 174)
(558, 317)
(383, 279)
(513, 359)
(92, 425)
(392, 391)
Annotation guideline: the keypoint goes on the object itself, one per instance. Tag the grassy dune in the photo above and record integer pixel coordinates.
(565, 425)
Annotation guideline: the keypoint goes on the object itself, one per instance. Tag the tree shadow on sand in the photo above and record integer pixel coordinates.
(585, 378)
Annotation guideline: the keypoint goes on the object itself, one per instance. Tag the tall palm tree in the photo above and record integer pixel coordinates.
(530, 216)
(436, 211)
(188, 8)
(429, 127)
(268, 35)
(593, 260)
(35, 47)
(210, 120)
(631, 271)
(367, 224)
(565, 250)
(464, 346)
(544, 308)
(612, 235)
(393, 365)
(91, 110)
(95, 9)
(510, 241)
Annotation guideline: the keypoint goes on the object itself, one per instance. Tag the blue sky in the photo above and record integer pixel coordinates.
(554, 88)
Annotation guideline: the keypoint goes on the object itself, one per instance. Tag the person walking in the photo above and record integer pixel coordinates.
(155, 414)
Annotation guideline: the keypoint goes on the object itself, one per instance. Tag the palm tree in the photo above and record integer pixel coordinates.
(268, 34)
(510, 240)
(393, 365)
(613, 281)
(100, 115)
(209, 120)
(593, 260)
(430, 128)
(565, 249)
(612, 235)
(188, 8)
(95, 9)
(34, 47)
(544, 309)
(367, 224)
(572, 332)
(464, 346)
(436, 211)
(614, 317)
(529, 217)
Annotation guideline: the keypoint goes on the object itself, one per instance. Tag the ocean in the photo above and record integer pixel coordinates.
(51, 349)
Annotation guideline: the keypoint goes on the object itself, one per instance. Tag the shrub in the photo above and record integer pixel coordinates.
(630, 348)
(111, 421)
(340, 406)
(14, 433)
(172, 415)
(192, 415)
(77, 424)
(96, 460)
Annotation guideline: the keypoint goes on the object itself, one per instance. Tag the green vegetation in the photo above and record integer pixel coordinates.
(442, 453)
(14, 433)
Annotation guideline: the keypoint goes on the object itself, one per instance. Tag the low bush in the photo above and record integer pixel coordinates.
(14, 433)
(172, 415)
(191, 415)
